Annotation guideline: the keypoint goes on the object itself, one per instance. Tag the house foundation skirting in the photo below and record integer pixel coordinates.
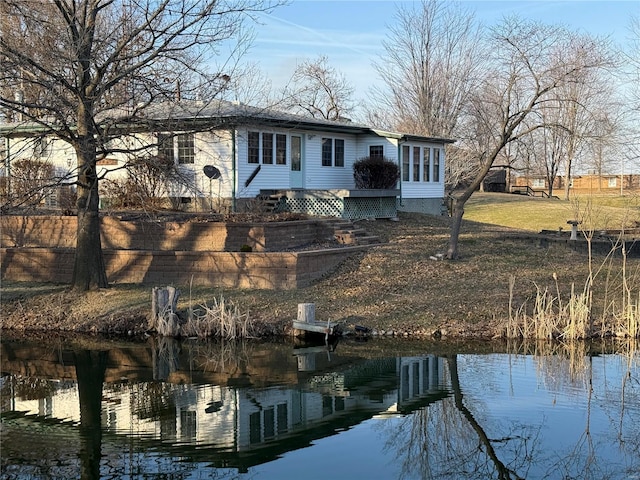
(430, 206)
(347, 204)
(273, 270)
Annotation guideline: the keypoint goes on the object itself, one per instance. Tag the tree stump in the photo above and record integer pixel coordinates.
(164, 319)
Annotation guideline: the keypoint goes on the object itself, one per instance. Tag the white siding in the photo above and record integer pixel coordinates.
(318, 177)
(390, 147)
(216, 149)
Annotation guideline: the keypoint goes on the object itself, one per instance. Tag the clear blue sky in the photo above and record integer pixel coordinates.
(350, 33)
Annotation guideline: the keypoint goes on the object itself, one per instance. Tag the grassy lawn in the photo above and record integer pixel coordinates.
(536, 214)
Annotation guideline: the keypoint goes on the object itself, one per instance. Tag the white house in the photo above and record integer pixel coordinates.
(231, 153)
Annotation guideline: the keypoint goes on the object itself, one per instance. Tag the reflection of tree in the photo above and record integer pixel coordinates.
(504, 472)
(446, 440)
(90, 369)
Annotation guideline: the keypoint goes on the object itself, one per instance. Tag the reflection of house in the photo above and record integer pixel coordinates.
(249, 426)
(250, 151)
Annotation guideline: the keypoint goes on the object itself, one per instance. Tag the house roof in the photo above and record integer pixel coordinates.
(198, 115)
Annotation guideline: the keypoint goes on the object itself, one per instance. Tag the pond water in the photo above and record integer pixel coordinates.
(407, 409)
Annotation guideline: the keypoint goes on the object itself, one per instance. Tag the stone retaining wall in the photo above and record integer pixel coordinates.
(197, 236)
(267, 270)
(41, 248)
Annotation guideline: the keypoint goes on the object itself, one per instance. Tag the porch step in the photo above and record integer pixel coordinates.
(346, 234)
(270, 202)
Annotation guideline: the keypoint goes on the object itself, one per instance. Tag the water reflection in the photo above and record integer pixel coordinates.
(169, 409)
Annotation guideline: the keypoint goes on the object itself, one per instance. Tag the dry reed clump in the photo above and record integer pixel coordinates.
(551, 317)
(221, 318)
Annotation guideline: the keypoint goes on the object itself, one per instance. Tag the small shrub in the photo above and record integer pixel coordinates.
(148, 182)
(375, 173)
(31, 181)
(246, 248)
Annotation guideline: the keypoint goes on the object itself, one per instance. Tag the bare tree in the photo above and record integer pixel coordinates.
(631, 71)
(78, 68)
(319, 90)
(548, 144)
(527, 69)
(430, 67)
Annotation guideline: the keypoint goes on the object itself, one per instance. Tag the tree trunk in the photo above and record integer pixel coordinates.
(89, 270)
(456, 219)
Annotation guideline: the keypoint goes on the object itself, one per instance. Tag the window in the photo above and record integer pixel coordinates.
(186, 148)
(165, 146)
(263, 147)
(405, 163)
(3, 149)
(269, 423)
(613, 182)
(282, 417)
(339, 158)
(327, 152)
(267, 148)
(332, 152)
(436, 164)
(253, 155)
(281, 149)
(376, 151)
(426, 167)
(41, 147)
(416, 164)
(538, 183)
(255, 427)
(296, 153)
(188, 424)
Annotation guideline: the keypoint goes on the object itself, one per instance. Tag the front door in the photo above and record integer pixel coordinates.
(296, 177)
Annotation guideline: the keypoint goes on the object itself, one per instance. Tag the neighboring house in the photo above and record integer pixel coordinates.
(230, 154)
(582, 184)
(534, 184)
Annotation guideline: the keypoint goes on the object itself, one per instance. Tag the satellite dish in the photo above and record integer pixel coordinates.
(211, 172)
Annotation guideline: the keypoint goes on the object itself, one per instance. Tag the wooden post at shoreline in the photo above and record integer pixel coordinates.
(307, 312)
(164, 301)
(306, 322)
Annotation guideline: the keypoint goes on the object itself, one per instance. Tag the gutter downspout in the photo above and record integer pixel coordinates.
(400, 142)
(233, 169)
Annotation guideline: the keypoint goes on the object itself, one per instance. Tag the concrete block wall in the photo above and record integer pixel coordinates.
(41, 248)
(263, 270)
(60, 232)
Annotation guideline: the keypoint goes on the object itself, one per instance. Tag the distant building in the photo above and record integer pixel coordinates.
(581, 184)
